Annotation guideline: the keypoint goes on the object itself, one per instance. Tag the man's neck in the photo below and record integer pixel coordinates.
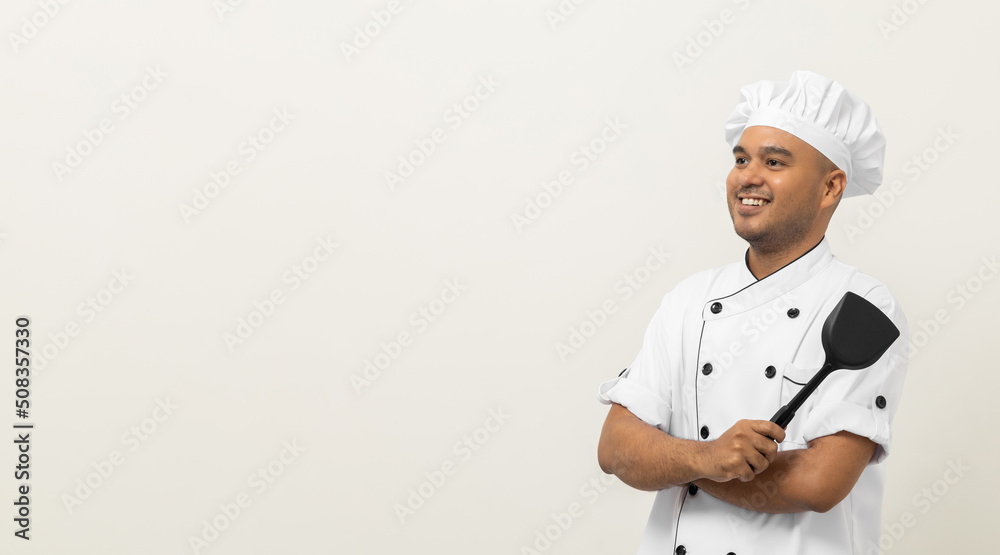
(763, 263)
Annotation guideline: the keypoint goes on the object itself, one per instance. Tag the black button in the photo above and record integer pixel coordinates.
(716, 307)
(730, 553)
(681, 550)
(707, 369)
(704, 432)
(793, 313)
(769, 372)
(880, 402)
(692, 489)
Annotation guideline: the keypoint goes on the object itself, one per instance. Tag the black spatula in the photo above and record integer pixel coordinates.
(854, 336)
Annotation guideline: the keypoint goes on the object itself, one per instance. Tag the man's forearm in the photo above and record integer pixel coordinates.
(643, 456)
(771, 491)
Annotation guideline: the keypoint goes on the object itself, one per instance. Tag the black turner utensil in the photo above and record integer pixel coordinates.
(855, 335)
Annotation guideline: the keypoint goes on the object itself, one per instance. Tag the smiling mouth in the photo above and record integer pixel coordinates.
(753, 202)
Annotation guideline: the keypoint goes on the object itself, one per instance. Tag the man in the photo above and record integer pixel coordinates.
(728, 347)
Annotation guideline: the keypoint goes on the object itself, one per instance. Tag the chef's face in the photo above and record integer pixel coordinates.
(777, 190)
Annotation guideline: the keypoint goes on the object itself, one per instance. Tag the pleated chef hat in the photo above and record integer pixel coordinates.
(821, 112)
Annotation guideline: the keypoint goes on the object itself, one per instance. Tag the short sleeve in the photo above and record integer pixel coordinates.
(644, 387)
(864, 402)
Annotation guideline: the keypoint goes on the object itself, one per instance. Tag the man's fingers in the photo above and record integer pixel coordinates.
(746, 449)
(767, 448)
(758, 462)
(769, 429)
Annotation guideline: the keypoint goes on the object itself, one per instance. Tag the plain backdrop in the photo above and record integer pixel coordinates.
(207, 281)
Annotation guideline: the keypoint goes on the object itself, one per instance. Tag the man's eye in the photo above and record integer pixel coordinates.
(773, 163)
(741, 160)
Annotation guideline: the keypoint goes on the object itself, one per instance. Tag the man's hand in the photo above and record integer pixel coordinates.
(743, 451)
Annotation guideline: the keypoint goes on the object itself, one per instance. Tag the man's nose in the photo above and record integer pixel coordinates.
(750, 175)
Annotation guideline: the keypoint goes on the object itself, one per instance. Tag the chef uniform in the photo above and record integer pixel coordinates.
(725, 346)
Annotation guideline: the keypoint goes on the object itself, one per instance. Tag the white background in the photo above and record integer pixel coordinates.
(524, 288)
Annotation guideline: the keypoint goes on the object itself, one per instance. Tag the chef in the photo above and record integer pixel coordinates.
(728, 347)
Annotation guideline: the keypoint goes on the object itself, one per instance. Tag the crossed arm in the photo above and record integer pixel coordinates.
(742, 467)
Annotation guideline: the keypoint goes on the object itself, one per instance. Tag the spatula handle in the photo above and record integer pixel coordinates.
(785, 413)
(783, 416)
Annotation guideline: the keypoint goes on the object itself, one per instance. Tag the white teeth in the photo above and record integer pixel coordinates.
(754, 201)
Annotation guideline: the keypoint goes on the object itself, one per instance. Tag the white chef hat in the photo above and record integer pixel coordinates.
(821, 112)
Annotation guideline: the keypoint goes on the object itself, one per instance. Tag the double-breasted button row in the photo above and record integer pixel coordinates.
(769, 372)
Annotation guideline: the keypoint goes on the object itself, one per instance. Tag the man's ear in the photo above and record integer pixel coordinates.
(834, 183)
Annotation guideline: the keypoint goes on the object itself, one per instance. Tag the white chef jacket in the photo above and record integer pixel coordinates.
(725, 346)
